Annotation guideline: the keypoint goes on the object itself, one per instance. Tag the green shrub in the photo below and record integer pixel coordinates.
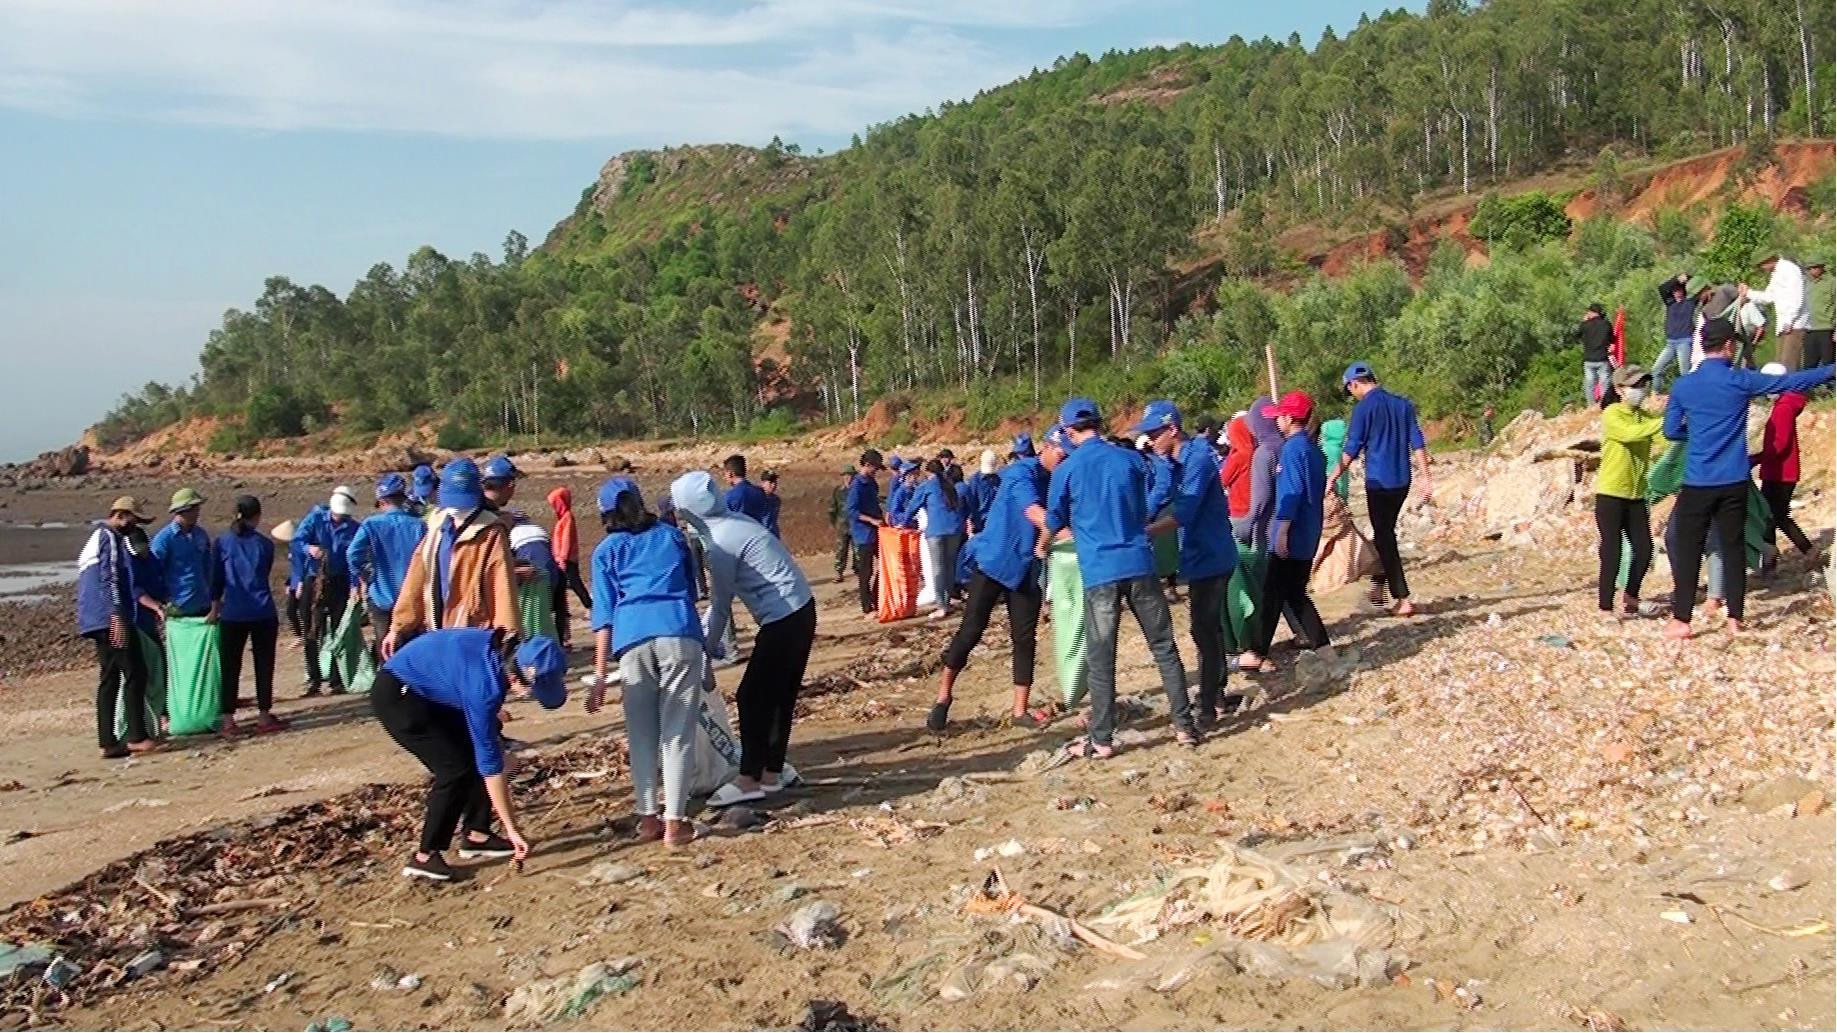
(278, 411)
(231, 437)
(458, 437)
(898, 437)
(777, 422)
(1519, 222)
(1741, 229)
(1676, 233)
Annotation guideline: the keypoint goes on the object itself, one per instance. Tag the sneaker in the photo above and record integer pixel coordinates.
(493, 846)
(434, 868)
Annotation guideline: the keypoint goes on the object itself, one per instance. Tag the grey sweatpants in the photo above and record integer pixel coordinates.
(663, 680)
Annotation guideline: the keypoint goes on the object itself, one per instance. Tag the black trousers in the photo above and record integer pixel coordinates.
(1779, 505)
(1726, 507)
(1023, 622)
(296, 613)
(122, 677)
(1817, 349)
(1285, 584)
(768, 690)
(844, 546)
(1615, 519)
(1208, 632)
(570, 580)
(261, 637)
(864, 576)
(1385, 505)
(437, 736)
(323, 601)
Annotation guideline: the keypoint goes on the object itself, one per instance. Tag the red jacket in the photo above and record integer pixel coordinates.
(1235, 475)
(1779, 444)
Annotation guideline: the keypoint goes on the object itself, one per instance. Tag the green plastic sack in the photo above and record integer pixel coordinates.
(1333, 445)
(194, 675)
(1065, 590)
(344, 654)
(536, 607)
(1666, 474)
(154, 656)
(1241, 600)
(1167, 554)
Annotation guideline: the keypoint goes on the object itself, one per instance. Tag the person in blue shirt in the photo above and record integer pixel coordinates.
(748, 562)
(149, 583)
(1708, 412)
(1208, 553)
(183, 550)
(497, 479)
(899, 490)
(424, 484)
(380, 551)
(325, 587)
(980, 491)
(743, 496)
(774, 503)
(239, 587)
(1301, 491)
(862, 515)
(105, 616)
(1101, 492)
(644, 617)
(299, 564)
(1384, 431)
(439, 698)
(1005, 571)
(938, 498)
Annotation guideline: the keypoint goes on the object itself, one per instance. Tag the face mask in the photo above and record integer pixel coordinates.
(1634, 396)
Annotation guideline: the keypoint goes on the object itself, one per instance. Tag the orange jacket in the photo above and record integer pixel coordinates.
(565, 542)
(480, 592)
(1236, 471)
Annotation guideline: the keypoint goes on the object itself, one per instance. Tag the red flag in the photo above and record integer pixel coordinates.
(1617, 351)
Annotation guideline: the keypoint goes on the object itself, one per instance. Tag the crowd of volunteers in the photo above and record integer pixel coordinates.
(446, 600)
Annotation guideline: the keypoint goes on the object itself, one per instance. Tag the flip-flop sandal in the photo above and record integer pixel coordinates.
(1085, 749)
(1186, 739)
(938, 718)
(1026, 719)
(787, 779)
(730, 794)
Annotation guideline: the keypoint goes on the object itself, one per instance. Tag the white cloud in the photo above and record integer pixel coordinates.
(512, 69)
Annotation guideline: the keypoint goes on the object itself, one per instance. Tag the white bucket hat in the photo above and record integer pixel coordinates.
(344, 502)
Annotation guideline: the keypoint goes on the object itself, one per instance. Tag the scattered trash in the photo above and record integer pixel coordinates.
(822, 1016)
(1788, 880)
(1073, 803)
(1596, 1020)
(60, 972)
(892, 832)
(1680, 917)
(139, 801)
(546, 1000)
(15, 958)
(331, 1024)
(740, 818)
(815, 926)
(788, 892)
(1012, 848)
(1556, 641)
(409, 982)
(145, 962)
(277, 982)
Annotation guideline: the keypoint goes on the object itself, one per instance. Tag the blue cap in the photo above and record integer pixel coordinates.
(459, 485)
(426, 482)
(500, 468)
(544, 656)
(1061, 439)
(1079, 410)
(1159, 414)
(613, 488)
(1023, 445)
(896, 464)
(390, 485)
(1357, 370)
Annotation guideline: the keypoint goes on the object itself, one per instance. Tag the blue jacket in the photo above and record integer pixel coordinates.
(1161, 478)
(979, 492)
(1384, 430)
(334, 535)
(1206, 546)
(239, 577)
(899, 498)
(379, 553)
(749, 499)
(1708, 411)
(1003, 550)
(1109, 519)
(1301, 490)
(105, 581)
(1680, 315)
(457, 669)
(744, 559)
(642, 587)
(863, 499)
(941, 518)
(147, 580)
(301, 566)
(774, 504)
(185, 565)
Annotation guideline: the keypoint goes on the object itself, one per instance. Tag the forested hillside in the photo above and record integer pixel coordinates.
(1109, 224)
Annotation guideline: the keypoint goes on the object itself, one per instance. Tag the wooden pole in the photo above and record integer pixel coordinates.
(1269, 363)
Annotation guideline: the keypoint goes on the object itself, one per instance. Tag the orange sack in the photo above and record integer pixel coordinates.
(899, 574)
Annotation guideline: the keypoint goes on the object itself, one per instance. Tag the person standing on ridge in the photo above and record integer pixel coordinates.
(1708, 411)
(1785, 291)
(1680, 322)
(1384, 432)
(1208, 554)
(1101, 493)
(1597, 337)
(1821, 305)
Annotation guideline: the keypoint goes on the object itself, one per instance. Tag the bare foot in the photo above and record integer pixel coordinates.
(1404, 608)
(228, 728)
(143, 746)
(1734, 626)
(1678, 630)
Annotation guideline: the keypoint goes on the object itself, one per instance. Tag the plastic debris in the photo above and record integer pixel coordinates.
(60, 972)
(145, 962)
(611, 873)
(815, 926)
(331, 1024)
(822, 1016)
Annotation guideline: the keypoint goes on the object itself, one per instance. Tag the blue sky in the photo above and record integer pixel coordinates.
(160, 158)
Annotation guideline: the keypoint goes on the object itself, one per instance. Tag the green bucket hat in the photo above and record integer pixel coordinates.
(1764, 253)
(1817, 261)
(1698, 284)
(184, 499)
